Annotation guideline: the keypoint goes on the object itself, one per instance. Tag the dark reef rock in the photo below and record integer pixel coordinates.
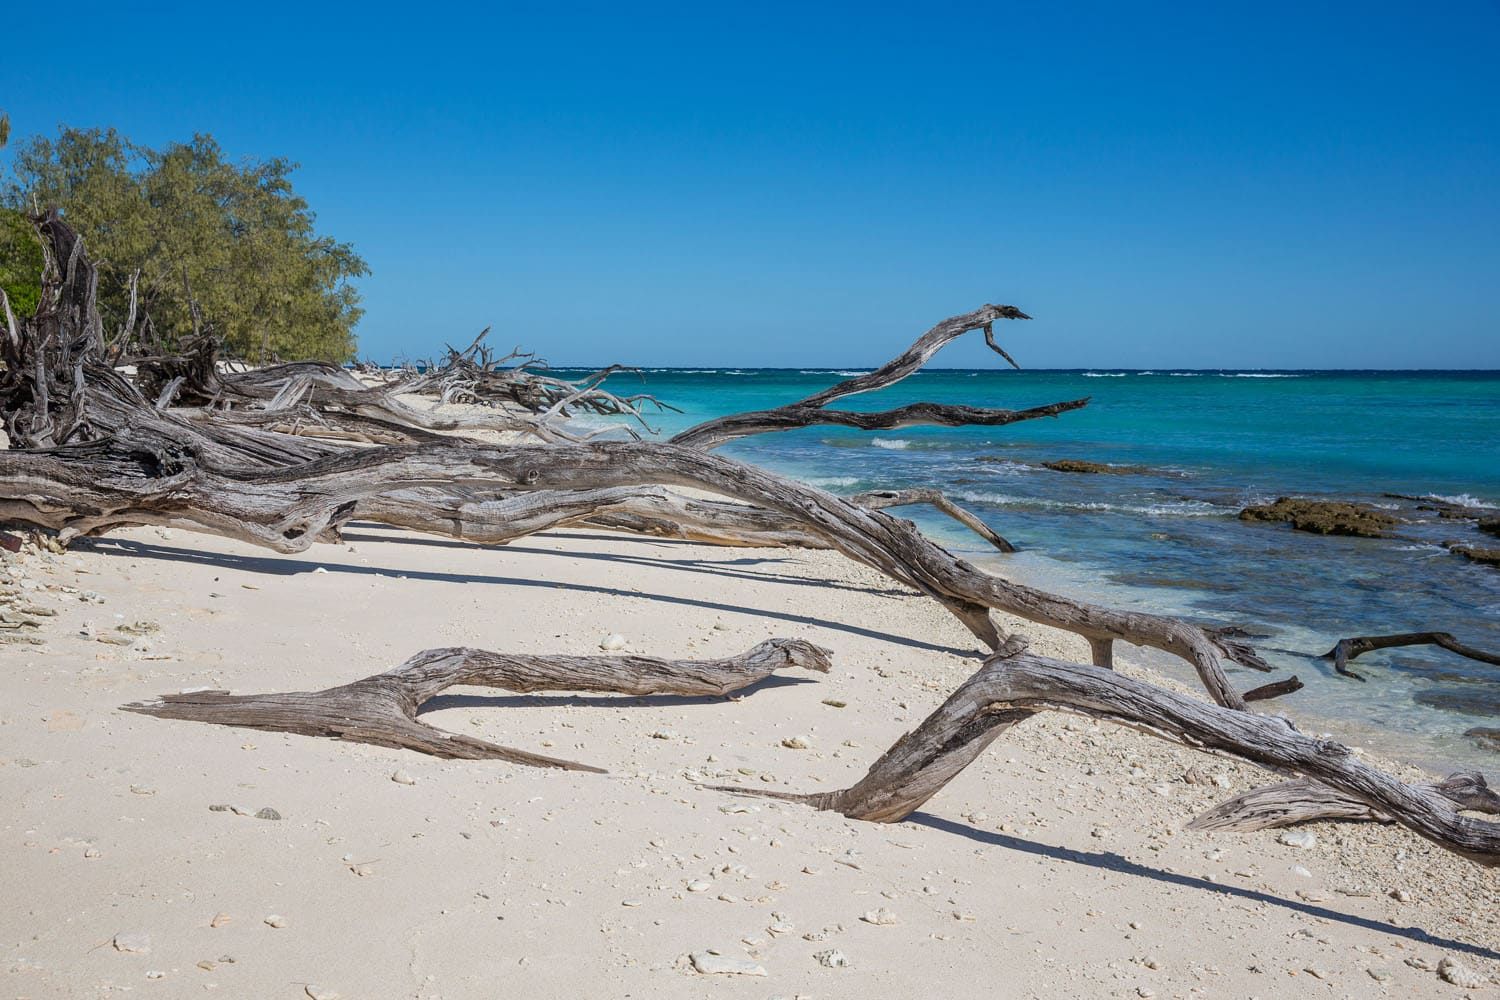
(1490, 526)
(1487, 557)
(1094, 468)
(1325, 517)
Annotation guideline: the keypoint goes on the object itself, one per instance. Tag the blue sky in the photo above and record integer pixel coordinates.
(1246, 185)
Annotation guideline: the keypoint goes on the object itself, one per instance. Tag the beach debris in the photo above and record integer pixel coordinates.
(315, 992)
(267, 813)
(832, 959)
(612, 642)
(400, 777)
(275, 920)
(219, 919)
(711, 963)
(795, 743)
(133, 942)
(880, 917)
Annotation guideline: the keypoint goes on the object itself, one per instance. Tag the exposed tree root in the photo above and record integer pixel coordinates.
(383, 709)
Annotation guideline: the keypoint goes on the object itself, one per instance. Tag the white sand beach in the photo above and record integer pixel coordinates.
(1055, 866)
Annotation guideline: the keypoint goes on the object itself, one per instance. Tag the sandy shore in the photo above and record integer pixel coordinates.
(1056, 866)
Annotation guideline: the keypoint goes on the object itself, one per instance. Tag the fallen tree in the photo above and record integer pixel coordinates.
(284, 459)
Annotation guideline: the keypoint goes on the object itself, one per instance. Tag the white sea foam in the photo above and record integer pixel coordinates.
(894, 444)
(1183, 508)
(1185, 374)
(1104, 374)
(830, 482)
(1257, 375)
(1461, 499)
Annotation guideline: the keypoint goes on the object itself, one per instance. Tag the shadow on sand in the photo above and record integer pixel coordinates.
(281, 566)
(1116, 863)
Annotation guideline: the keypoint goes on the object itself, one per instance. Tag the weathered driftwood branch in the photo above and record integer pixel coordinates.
(1348, 649)
(383, 709)
(883, 499)
(814, 410)
(1303, 801)
(1007, 690)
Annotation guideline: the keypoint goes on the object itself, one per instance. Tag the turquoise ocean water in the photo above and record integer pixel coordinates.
(1168, 539)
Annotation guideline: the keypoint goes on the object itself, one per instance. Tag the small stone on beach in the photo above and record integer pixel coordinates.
(709, 964)
(1297, 838)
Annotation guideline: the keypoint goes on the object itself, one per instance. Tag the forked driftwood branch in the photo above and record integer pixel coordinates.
(382, 709)
(1348, 649)
(813, 410)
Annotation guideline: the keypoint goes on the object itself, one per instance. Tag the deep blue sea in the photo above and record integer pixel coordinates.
(1169, 539)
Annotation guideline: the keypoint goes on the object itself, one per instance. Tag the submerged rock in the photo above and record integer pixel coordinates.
(1487, 557)
(1490, 526)
(1094, 468)
(1325, 517)
(1484, 737)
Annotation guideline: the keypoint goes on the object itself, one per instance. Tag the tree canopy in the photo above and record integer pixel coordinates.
(210, 244)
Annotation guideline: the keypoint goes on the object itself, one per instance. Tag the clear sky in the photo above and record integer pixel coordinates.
(1237, 185)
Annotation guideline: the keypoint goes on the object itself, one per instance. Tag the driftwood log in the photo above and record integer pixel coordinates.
(283, 458)
(1347, 649)
(1009, 689)
(383, 709)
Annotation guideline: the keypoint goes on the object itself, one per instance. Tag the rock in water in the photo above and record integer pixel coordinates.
(1093, 468)
(1325, 517)
(1485, 738)
(711, 964)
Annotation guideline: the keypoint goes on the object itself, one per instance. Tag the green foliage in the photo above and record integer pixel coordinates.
(20, 262)
(215, 245)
